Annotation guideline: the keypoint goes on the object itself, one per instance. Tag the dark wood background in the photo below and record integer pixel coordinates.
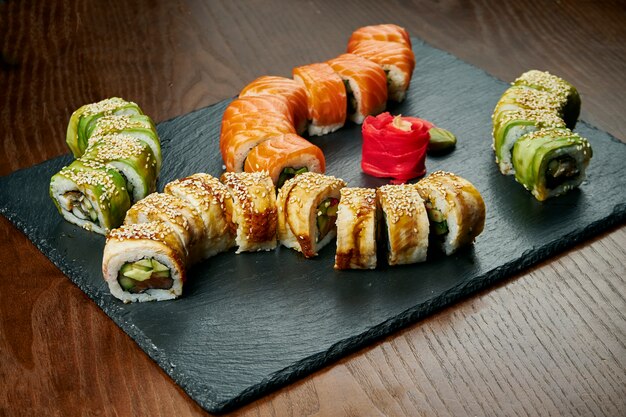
(551, 341)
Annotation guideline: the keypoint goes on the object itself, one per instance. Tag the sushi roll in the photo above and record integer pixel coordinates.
(396, 59)
(550, 162)
(357, 217)
(83, 119)
(365, 83)
(519, 98)
(212, 200)
(91, 195)
(326, 97)
(177, 214)
(566, 94)
(455, 208)
(307, 211)
(138, 126)
(144, 262)
(292, 91)
(132, 158)
(285, 156)
(254, 210)
(385, 32)
(509, 126)
(405, 223)
(242, 132)
(250, 106)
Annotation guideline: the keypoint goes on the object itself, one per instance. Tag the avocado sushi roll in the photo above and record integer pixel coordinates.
(138, 126)
(91, 195)
(550, 162)
(566, 94)
(132, 157)
(83, 120)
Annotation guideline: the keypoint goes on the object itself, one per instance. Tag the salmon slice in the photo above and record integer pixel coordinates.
(243, 131)
(293, 92)
(366, 85)
(387, 32)
(395, 58)
(285, 151)
(326, 97)
(259, 104)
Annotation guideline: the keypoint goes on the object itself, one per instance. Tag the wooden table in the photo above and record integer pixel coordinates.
(551, 341)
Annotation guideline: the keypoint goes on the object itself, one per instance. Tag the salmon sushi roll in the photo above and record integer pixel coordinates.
(242, 132)
(259, 104)
(387, 32)
(284, 157)
(292, 91)
(326, 97)
(365, 83)
(396, 59)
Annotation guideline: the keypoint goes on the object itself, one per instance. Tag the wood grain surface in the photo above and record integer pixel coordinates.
(551, 341)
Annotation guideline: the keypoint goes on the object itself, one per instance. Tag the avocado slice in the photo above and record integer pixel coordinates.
(158, 266)
(137, 274)
(144, 263)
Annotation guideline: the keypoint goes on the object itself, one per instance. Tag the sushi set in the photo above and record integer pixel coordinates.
(246, 320)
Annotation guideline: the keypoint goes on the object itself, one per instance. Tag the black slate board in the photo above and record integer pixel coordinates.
(248, 324)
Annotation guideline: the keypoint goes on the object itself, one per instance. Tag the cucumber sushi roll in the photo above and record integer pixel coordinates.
(307, 211)
(91, 195)
(138, 126)
(132, 157)
(550, 162)
(455, 208)
(405, 223)
(509, 126)
(83, 119)
(144, 262)
(567, 95)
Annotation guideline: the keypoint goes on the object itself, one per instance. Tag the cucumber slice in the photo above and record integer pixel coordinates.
(126, 283)
(161, 274)
(435, 215)
(439, 228)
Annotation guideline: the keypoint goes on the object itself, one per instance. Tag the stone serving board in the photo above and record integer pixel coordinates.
(248, 324)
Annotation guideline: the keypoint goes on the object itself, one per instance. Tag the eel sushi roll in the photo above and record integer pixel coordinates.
(326, 97)
(566, 94)
(357, 217)
(365, 83)
(292, 91)
(138, 126)
(83, 119)
(242, 132)
(91, 195)
(405, 223)
(550, 162)
(307, 211)
(284, 157)
(177, 214)
(254, 210)
(509, 126)
(385, 32)
(396, 59)
(144, 262)
(212, 200)
(455, 208)
(131, 157)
